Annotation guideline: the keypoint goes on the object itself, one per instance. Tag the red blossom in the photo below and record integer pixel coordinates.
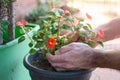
(51, 43)
(75, 22)
(100, 34)
(68, 24)
(19, 24)
(88, 16)
(22, 23)
(66, 12)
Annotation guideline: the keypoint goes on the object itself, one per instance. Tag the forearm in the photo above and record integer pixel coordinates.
(108, 59)
(111, 29)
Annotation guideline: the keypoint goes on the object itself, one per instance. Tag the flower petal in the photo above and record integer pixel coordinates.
(19, 24)
(51, 43)
(88, 16)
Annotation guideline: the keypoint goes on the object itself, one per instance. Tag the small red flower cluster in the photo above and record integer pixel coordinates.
(51, 42)
(100, 33)
(88, 16)
(22, 23)
(66, 12)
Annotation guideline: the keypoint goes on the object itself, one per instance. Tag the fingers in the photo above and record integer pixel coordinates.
(55, 58)
(59, 66)
(56, 62)
(68, 48)
(60, 69)
(64, 49)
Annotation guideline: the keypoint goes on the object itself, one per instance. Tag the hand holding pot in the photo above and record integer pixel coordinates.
(74, 56)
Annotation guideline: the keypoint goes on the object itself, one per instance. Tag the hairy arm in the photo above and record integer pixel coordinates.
(77, 56)
(108, 59)
(111, 29)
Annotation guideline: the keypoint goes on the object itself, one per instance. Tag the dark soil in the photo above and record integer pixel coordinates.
(42, 63)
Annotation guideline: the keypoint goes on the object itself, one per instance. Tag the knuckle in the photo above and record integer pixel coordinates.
(73, 43)
(53, 59)
(69, 67)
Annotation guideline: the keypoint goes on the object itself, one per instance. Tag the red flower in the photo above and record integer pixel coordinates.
(22, 23)
(88, 16)
(68, 24)
(75, 22)
(66, 12)
(100, 34)
(51, 43)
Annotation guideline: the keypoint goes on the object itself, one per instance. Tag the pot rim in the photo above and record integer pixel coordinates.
(15, 41)
(32, 68)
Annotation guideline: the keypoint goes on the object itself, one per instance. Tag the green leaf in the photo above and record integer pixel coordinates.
(101, 43)
(54, 31)
(32, 51)
(22, 38)
(48, 18)
(82, 34)
(45, 37)
(69, 18)
(91, 43)
(30, 44)
(38, 45)
(34, 37)
(80, 25)
(4, 25)
(66, 27)
(80, 19)
(40, 40)
(21, 31)
(93, 34)
(48, 32)
(51, 13)
(43, 44)
(59, 12)
(89, 26)
(86, 28)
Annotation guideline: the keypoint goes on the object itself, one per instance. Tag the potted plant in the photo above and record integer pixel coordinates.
(12, 46)
(51, 37)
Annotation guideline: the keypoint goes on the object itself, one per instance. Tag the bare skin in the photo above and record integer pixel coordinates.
(111, 29)
(77, 56)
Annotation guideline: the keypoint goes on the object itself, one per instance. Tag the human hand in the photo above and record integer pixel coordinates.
(73, 56)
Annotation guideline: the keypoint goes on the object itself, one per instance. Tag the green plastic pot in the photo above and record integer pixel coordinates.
(11, 58)
(1, 39)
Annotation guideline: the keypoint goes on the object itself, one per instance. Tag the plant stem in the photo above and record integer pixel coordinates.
(51, 4)
(58, 34)
(73, 31)
(38, 3)
(73, 26)
(10, 20)
(28, 35)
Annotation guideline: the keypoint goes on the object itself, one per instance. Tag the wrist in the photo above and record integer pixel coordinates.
(99, 58)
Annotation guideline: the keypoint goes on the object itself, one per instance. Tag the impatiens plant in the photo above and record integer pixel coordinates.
(22, 23)
(51, 36)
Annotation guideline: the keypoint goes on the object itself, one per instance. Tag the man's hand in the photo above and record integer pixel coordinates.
(74, 56)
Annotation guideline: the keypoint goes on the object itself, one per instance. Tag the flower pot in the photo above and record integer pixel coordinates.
(11, 58)
(40, 74)
(1, 39)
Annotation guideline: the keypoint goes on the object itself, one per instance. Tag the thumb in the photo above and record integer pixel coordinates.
(49, 56)
(54, 58)
(64, 49)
